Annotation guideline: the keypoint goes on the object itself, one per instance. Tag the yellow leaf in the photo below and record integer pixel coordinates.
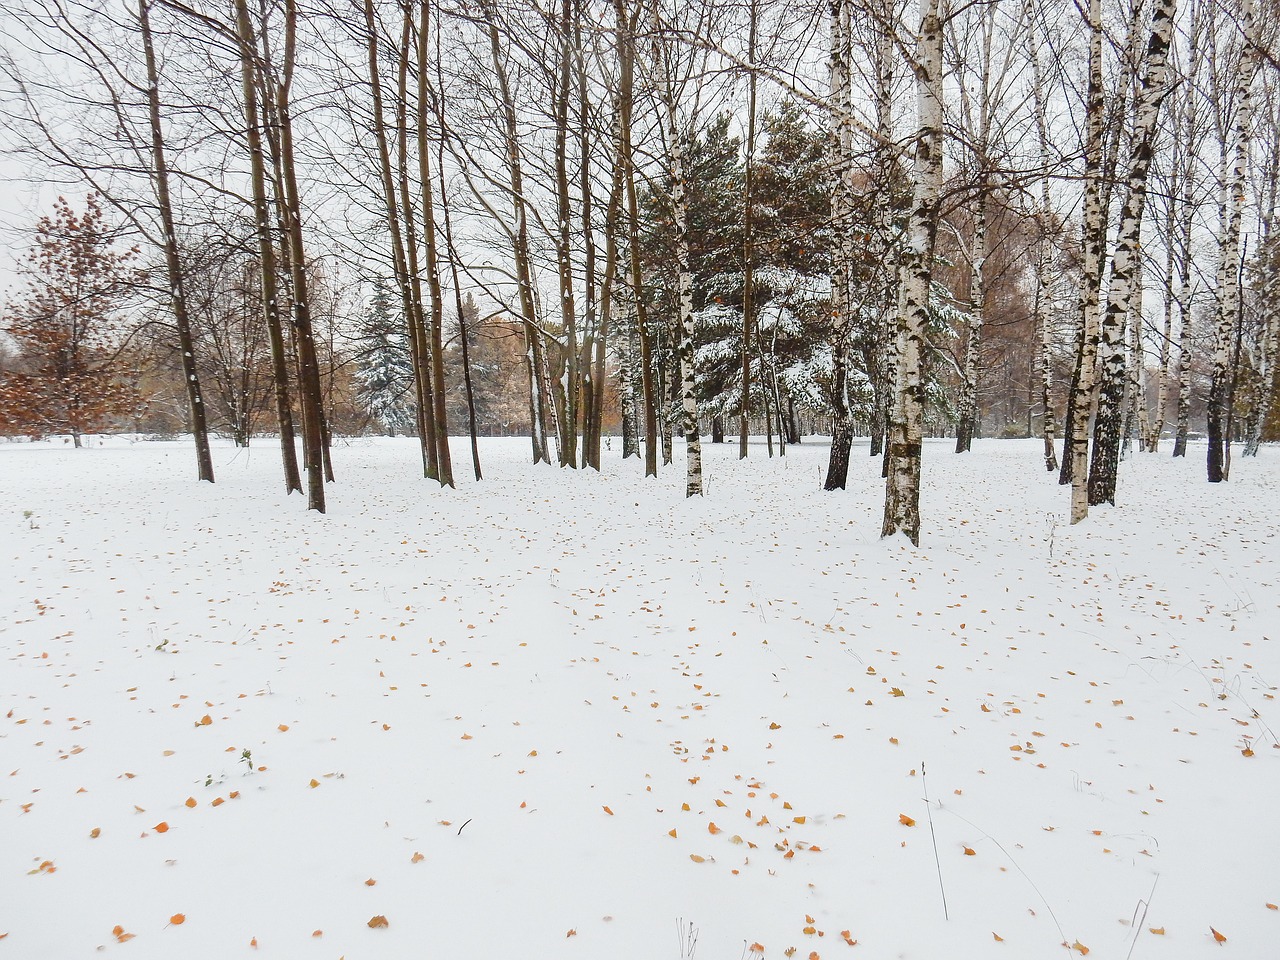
(905, 820)
(697, 859)
(1084, 951)
(671, 832)
(998, 938)
(314, 783)
(1158, 931)
(378, 921)
(775, 726)
(798, 819)
(897, 691)
(684, 807)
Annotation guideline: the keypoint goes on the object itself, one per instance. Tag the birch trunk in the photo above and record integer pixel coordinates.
(906, 429)
(1231, 211)
(1075, 456)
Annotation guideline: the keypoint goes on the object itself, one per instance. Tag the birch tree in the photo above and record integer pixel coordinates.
(1230, 213)
(906, 429)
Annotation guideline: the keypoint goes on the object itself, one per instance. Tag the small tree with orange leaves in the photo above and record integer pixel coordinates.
(69, 375)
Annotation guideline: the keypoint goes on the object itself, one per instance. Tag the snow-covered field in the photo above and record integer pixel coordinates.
(569, 715)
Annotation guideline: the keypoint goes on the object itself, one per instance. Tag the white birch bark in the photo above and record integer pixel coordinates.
(1126, 262)
(1092, 228)
(906, 429)
(1230, 214)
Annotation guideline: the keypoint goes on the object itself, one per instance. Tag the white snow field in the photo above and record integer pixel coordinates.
(559, 714)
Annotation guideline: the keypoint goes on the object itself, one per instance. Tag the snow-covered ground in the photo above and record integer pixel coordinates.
(561, 714)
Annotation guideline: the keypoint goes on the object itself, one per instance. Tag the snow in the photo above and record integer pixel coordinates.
(525, 681)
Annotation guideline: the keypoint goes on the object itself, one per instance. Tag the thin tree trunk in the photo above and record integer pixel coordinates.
(308, 365)
(266, 248)
(1231, 210)
(172, 257)
(430, 252)
(748, 240)
(840, 143)
(539, 399)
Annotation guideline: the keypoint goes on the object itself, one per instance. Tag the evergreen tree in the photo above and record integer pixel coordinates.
(384, 373)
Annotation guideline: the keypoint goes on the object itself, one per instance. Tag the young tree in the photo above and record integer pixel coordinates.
(68, 326)
(384, 366)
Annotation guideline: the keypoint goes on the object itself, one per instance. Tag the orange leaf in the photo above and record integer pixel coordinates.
(607, 810)
(757, 948)
(191, 802)
(217, 802)
(283, 727)
(378, 921)
(1217, 936)
(998, 938)
(254, 943)
(178, 919)
(314, 783)
(95, 833)
(713, 829)
(570, 933)
(1272, 906)
(775, 726)
(1158, 931)
(970, 852)
(1084, 951)
(813, 955)
(671, 832)
(697, 859)
(161, 827)
(905, 820)
(797, 819)
(417, 858)
(371, 882)
(317, 933)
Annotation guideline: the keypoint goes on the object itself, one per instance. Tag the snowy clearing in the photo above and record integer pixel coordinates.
(563, 714)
